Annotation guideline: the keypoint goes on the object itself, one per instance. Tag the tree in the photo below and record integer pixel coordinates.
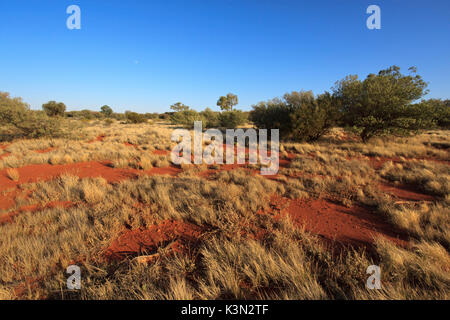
(106, 111)
(382, 103)
(227, 102)
(177, 107)
(299, 115)
(53, 108)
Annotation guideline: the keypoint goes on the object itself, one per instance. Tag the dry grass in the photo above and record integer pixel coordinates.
(229, 260)
(12, 174)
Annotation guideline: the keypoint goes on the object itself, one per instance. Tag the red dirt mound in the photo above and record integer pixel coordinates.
(175, 235)
(355, 225)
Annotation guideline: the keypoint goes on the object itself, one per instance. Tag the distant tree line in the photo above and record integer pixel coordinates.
(381, 104)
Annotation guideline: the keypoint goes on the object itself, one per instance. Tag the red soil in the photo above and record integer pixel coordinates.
(45, 150)
(6, 218)
(130, 145)
(405, 192)
(334, 222)
(176, 235)
(99, 138)
(160, 152)
(4, 155)
(44, 172)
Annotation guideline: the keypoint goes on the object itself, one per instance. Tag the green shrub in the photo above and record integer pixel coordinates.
(106, 111)
(210, 118)
(134, 117)
(53, 108)
(186, 118)
(232, 119)
(435, 110)
(299, 115)
(26, 123)
(382, 103)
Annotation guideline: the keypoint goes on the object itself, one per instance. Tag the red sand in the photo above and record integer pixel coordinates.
(45, 150)
(6, 218)
(160, 152)
(44, 172)
(132, 243)
(99, 138)
(355, 225)
(405, 192)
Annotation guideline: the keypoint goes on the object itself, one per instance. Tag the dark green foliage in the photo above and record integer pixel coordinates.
(134, 117)
(232, 119)
(299, 115)
(26, 123)
(437, 111)
(382, 103)
(106, 111)
(54, 109)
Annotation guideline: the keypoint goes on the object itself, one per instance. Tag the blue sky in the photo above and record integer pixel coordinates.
(146, 55)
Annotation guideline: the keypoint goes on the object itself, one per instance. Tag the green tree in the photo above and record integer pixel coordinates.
(16, 114)
(227, 102)
(53, 108)
(177, 107)
(299, 115)
(382, 103)
(232, 119)
(106, 111)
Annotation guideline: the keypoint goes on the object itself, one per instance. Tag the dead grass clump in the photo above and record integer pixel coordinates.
(12, 174)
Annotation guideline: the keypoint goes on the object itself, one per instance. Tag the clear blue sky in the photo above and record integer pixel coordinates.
(146, 55)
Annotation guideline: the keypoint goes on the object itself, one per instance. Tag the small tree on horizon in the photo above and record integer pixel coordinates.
(53, 108)
(106, 110)
(226, 103)
(177, 107)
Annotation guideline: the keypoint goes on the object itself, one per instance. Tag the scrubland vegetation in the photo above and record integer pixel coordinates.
(97, 189)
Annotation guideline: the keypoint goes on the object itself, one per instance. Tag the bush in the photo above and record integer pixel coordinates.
(106, 111)
(381, 104)
(134, 117)
(435, 110)
(53, 108)
(210, 118)
(25, 122)
(232, 119)
(299, 115)
(186, 118)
